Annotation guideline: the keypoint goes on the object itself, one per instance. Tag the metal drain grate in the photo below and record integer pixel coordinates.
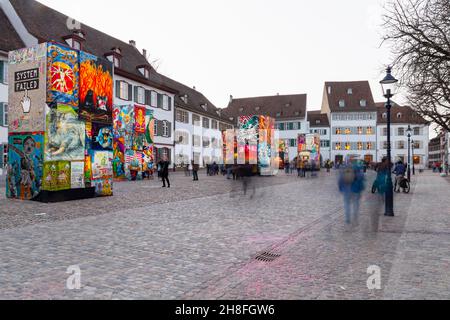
(267, 256)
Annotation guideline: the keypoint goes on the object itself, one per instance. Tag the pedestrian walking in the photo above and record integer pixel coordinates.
(286, 167)
(351, 185)
(165, 172)
(195, 168)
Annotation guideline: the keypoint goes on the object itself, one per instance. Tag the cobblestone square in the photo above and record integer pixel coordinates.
(199, 240)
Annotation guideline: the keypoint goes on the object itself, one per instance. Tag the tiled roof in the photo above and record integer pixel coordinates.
(399, 115)
(278, 107)
(352, 94)
(9, 39)
(317, 119)
(36, 18)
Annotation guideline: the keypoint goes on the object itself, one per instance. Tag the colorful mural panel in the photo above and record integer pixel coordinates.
(65, 135)
(63, 75)
(27, 89)
(57, 176)
(96, 89)
(133, 165)
(102, 137)
(77, 175)
(24, 174)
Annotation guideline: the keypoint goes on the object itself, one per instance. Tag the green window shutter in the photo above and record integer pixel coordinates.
(160, 100)
(136, 94)
(1, 116)
(148, 97)
(117, 89)
(130, 92)
(170, 103)
(2, 68)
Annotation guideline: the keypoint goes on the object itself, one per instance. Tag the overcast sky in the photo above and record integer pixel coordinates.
(248, 47)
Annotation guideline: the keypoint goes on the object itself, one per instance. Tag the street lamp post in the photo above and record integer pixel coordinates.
(412, 151)
(389, 85)
(409, 152)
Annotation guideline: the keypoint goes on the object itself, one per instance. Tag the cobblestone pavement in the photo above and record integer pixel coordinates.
(199, 241)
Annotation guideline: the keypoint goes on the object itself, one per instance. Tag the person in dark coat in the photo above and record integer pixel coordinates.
(165, 172)
(195, 168)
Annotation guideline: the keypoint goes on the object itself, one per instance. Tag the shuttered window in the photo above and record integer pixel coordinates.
(124, 90)
(3, 114)
(154, 99)
(3, 72)
(139, 95)
(165, 103)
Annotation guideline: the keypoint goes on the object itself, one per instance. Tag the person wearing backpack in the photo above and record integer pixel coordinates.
(351, 185)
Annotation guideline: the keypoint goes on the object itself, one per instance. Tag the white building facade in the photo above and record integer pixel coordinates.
(198, 137)
(399, 144)
(318, 123)
(353, 120)
(3, 110)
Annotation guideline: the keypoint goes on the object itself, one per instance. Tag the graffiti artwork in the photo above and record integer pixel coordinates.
(57, 176)
(133, 164)
(27, 89)
(139, 119)
(119, 158)
(63, 75)
(77, 175)
(102, 137)
(24, 175)
(65, 135)
(96, 89)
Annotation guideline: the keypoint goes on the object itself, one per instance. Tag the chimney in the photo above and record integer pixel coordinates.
(231, 98)
(144, 52)
(194, 88)
(133, 43)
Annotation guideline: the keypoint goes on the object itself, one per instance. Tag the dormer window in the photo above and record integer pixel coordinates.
(287, 105)
(399, 115)
(114, 59)
(204, 107)
(115, 56)
(297, 113)
(278, 114)
(258, 108)
(75, 40)
(349, 91)
(384, 115)
(145, 71)
(342, 103)
(363, 103)
(317, 121)
(231, 118)
(184, 98)
(241, 109)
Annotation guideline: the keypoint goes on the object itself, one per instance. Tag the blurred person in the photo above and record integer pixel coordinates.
(399, 171)
(351, 185)
(286, 166)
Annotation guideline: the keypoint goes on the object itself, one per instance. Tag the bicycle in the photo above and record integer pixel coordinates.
(404, 184)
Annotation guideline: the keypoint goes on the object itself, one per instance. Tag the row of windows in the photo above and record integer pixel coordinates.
(183, 117)
(353, 146)
(322, 132)
(125, 91)
(402, 145)
(285, 126)
(354, 116)
(362, 103)
(401, 131)
(354, 130)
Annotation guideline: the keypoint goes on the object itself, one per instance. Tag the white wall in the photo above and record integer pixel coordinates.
(188, 149)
